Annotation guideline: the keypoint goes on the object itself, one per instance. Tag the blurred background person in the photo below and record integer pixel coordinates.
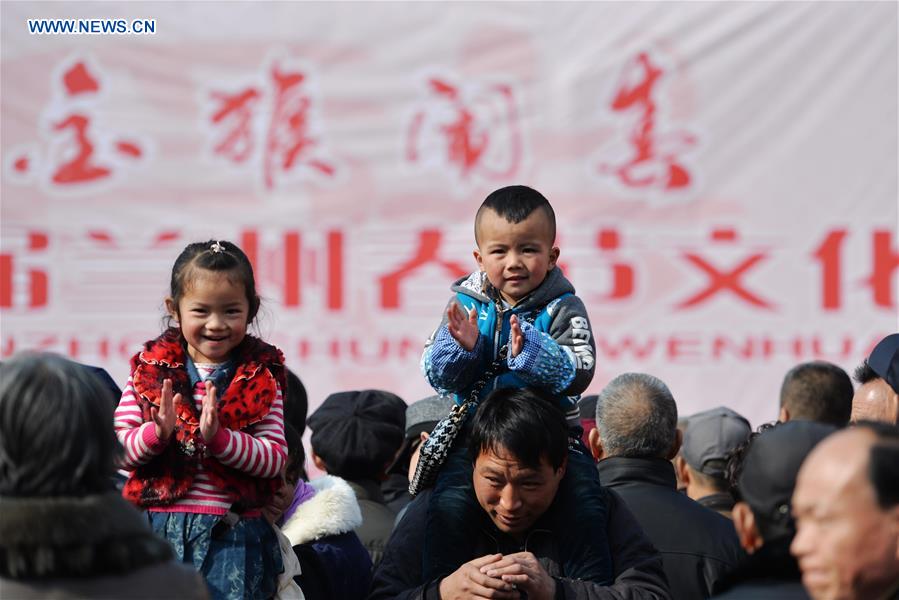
(65, 531)
(636, 437)
(333, 563)
(710, 438)
(846, 505)
(762, 472)
(877, 398)
(816, 391)
(356, 435)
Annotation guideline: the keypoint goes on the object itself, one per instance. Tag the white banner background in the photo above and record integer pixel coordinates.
(724, 177)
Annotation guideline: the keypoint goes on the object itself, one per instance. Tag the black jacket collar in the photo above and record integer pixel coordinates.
(620, 470)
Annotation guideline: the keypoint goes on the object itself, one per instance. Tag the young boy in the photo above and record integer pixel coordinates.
(517, 299)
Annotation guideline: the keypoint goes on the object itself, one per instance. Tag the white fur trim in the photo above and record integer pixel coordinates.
(334, 509)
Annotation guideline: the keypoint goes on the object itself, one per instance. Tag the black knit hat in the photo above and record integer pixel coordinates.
(358, 433)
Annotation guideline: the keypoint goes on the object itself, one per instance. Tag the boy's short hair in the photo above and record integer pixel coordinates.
(515, 203)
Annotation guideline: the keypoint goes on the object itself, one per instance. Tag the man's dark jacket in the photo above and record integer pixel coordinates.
(698, 545)
(771, 572)
(637, 566)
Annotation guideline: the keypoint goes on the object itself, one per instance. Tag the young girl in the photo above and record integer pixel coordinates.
(202, 423)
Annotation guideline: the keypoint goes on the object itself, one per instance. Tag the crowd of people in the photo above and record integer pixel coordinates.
(192, 480)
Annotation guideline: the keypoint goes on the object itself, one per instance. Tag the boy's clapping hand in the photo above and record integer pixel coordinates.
(516, 337)
(463, 327)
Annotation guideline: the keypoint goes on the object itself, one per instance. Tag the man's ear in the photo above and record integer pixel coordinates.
(747, 530)
(318, 462)
(675, 446)
(563, 467)
(784, 415)
(553, 257)
(595, 443)
(683, 473)
(171, 308)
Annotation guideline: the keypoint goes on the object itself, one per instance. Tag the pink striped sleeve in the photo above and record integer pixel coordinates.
(138, 438)
(261, 451)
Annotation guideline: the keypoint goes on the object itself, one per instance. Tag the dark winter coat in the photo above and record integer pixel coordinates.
(637, 566)
(771, 572)
(698, 546)
(95, 546)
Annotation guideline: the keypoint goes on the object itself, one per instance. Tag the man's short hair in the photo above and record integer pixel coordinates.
(864, 373)
(636, 417)
(515, 203)
(523, 421)
(883, 466)
(56, 433)
(818, 391)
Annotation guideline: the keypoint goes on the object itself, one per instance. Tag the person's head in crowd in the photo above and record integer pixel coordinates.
(56, 434)
(846, 506)
(877, 398)
(636, 417)
(65, 532)
(587, 409)
(356, 435)
(519, 448)
(816, 391)
(762, 474)
(708, 441)
(296, 403)
(421, 417)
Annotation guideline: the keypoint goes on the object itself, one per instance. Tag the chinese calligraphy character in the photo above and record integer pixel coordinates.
(275, 123)
(474, 130)
(719, 280)
(78, 151)
(654, 162)
(235, 109)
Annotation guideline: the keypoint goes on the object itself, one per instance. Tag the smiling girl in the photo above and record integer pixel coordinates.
(202, 423)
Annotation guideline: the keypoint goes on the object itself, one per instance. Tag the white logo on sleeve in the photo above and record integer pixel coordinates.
(580, 340)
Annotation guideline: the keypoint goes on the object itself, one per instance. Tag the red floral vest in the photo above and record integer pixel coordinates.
(246, 401)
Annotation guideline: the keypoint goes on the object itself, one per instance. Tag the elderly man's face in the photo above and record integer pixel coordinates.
(846, 545)
(875, 401)
(512, 494)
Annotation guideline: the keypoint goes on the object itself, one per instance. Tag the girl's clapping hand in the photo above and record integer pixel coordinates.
(164, 416)
(209, 418)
